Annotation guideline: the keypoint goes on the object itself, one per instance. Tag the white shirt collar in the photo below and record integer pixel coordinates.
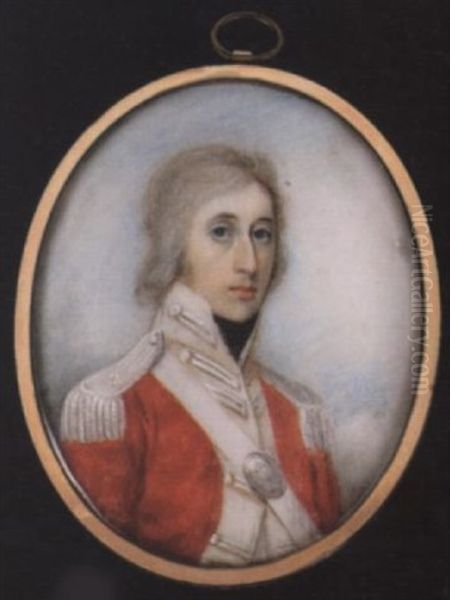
(186, 317)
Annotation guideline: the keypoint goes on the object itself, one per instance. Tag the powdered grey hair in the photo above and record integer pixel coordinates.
(178, 188)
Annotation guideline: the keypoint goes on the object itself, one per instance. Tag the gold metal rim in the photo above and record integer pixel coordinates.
(246, 55)
(414, 426)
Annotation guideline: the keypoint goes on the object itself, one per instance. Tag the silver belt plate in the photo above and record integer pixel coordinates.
(264, 476)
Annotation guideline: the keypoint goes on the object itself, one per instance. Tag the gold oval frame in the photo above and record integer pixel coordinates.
(414, 426)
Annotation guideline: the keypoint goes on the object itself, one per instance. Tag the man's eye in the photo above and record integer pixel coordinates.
(221, 233)
(262, 235)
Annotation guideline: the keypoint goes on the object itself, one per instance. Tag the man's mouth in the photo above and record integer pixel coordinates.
(243, 292)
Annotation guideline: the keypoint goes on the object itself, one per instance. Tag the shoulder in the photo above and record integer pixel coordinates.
(313, 419)
(300, 394)
(94, 409)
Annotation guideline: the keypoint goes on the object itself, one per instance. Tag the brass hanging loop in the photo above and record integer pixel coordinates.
(243, 55)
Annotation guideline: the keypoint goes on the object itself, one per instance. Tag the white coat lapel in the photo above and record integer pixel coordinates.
(231, 443)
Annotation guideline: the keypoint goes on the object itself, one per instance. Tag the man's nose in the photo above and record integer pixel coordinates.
(245, 256)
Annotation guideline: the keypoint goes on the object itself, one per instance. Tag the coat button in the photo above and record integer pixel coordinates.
(174, 310)
(185, 355)
(229, 478)
(154, 338)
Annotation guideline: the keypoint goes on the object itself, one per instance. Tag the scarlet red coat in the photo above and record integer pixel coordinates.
(161, 483)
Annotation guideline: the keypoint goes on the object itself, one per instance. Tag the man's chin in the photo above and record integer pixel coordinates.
(238, 314)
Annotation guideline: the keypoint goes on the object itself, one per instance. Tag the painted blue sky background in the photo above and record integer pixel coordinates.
(339, 320)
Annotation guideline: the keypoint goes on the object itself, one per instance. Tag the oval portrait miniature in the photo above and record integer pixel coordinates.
(227, 324)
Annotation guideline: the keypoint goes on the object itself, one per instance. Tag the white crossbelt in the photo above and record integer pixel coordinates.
(235, 445)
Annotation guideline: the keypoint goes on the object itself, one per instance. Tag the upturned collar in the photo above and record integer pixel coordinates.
(186, 318)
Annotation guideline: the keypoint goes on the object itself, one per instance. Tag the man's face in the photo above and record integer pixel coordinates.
(230, 252)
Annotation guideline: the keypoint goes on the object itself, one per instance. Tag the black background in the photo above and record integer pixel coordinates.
(63, 64)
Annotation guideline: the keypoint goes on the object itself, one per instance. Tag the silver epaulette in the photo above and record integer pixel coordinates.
(315, 428)
(94, 411)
